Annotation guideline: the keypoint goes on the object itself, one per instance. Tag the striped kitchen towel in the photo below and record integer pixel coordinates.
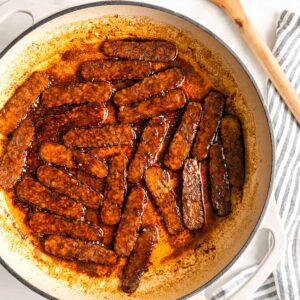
(284, 283)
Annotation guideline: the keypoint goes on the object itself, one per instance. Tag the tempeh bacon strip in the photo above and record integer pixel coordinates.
(150, 86)
(35, 193)
(14, 158)
(69, 186)
(148, 148)
(115, 189)
(127, 232)
(210, 120)
(232, 139)
(52, 224)
(182, 142)
(139, 259)
(220, 190)
(77, 94)
(110, 135)
(192, 201)
(162, 51)
(75, 249)
(98, 70)
(14, 111)
(152, 107)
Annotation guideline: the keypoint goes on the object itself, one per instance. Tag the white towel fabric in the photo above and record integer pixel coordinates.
(284, 283)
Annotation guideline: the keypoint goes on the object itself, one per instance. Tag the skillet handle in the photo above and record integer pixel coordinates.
(272, 224)
(33, 8)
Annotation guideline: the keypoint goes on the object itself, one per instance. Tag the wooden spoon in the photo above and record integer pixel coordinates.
(262, 52)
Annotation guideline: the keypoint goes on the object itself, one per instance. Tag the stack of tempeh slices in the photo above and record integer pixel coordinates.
(87, 157)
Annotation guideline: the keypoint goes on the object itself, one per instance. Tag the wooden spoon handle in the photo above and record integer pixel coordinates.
(264, 55)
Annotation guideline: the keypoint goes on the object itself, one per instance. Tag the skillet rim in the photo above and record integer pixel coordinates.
(245, 69)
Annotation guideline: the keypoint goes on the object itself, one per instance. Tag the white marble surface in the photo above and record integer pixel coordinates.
(263, 13)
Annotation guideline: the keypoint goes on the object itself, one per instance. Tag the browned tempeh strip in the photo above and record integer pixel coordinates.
(220, 190)
(75, 249)
(139, 259)
(114, 192)
(148, 148)
(60, 155)
(182, 142)
(106, 152)
(14, 158)
(35, 193)
(65, 184)
(127, 232)
(162, 51)
(149, 108)
(232, 139)
(150, 86)
(97, 70)
(52, 224)
(111, 135)
(77, 93)
(159, 184)
(210, 120)
(14, 111)
(192, 201)
(20, 140)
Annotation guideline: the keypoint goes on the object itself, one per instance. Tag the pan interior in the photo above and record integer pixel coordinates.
(182, 275)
